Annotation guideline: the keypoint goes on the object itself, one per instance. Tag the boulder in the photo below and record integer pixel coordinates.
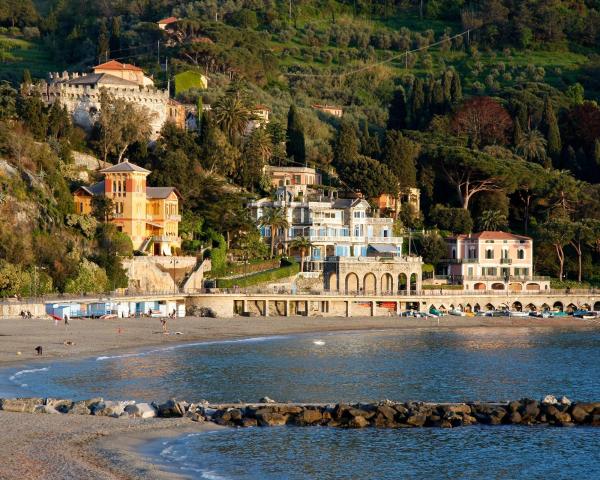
(579, 413)
(469, 420)
(549, 400)
(62, 406)
(109, 408)
(595, 420)
(25, 405)
(358, 422)
(169, 409)
(456, 408)
(270, 419)
(46, 409)
(309, 417)
(530, 410)
(565, 401)
(514, 417)
(562, 418)
(358, 412)
(416, 420)
(514, 406)
(248, 422)
(194, 416)
(289, 409)
(388, 412)
(79, 408)
(140, 410)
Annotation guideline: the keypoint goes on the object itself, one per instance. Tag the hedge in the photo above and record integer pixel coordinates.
(443, 287)
(260, 277)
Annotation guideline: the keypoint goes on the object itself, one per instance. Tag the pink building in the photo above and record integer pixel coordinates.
(295, 179)
(493, 261)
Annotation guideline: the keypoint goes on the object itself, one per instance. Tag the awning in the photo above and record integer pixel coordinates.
(157, 225)
(383, 247)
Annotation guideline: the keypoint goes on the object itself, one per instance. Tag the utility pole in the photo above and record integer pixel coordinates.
(158, 52)
(167, 73)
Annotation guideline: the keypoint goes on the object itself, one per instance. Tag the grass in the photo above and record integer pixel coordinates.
(260, 277)
(20, 54)
(187, 80)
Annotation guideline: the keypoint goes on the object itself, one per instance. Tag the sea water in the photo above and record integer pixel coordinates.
(446, 365)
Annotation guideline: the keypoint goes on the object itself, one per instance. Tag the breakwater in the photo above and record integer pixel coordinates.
(384, 414)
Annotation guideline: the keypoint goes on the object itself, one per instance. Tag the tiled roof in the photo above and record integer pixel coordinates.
(488, 235)
(160, 192)
(166, 21)
(93, 190)
(100, 79)
(124, 167)
(114, 65)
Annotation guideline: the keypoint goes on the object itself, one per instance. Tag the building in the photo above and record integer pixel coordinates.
(176, 113)
(392, 204)
(167, 23)
(261, 116)
(347, 243)
(149, 215)
(80, 93)
(329, 109)
(492, 261)
(296, 179)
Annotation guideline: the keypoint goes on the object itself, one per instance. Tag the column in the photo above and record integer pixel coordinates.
(244, 305)
(348, 308)
(266, 308)
(398, 308)
(373, 308)
(287, 308)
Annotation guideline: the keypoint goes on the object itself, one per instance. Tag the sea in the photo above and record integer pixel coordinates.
(484, 364)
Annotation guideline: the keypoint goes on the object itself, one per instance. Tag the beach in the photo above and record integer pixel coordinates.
(73, 446)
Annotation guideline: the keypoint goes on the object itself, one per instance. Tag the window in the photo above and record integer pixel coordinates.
(454, 252)
(521, 254)
(297, 179)
(489, 253)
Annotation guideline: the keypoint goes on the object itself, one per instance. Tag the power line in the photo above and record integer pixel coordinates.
(382, 62)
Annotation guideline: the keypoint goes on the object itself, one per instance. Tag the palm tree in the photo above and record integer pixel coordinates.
(262, 144)
(232, 113)
(491, 220)
(304, 245)
(275, 218)
(532, 146)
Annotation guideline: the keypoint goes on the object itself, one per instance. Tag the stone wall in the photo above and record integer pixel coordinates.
(157, 273)
(14, 308)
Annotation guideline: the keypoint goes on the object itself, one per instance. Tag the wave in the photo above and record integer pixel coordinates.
(15, 376)
(188, 345)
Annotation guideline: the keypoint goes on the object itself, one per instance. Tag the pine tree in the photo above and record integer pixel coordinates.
(397, 112)
(551, 131)
(417, 103)
(295, 145)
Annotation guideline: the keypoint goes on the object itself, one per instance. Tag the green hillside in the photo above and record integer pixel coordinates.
(17, 54)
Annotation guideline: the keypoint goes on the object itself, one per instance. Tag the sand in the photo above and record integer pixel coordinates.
(88, 447)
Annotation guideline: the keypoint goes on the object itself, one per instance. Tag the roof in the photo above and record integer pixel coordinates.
(261, 107)
(93, 190)
(161, 192)
(488, 235)
(383, 247)
(166, 21)
(124, 167)
(99, 79)
(272, 168)
(328, 107)
(348, 202)
(114, 65)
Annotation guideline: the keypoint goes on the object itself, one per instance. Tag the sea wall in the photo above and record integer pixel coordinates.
(385, 414)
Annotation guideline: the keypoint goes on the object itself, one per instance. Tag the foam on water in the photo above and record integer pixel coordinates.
(14, 377)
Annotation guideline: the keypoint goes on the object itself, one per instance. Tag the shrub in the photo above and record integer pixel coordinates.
(292, 268)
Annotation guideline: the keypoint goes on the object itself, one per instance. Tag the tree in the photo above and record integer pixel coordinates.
(417, 103)
(455, 220)
(492, 220)
(8, 100)
(397, 112)
(257, 153)
(295, 143)
(303, 245)
(345, 146)
(558, 232)
(275, 219)
(551, 131)
(90, 278)
(103, 42)
(484, 121)
(232, 112)
(400, 155)
(585, 232)
(532, 146)
(102, 208)
(113, 246)
(433, 248)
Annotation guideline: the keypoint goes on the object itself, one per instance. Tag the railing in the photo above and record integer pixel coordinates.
(501, 278)
(506, 261)
(460, 260)
(395, 258)
(354, 239)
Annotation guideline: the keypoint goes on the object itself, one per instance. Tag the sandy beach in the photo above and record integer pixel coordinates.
(76, 447)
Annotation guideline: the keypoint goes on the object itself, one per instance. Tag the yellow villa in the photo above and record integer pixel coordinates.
(149, 215)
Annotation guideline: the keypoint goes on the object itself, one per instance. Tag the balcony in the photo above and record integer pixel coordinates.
(174, 218)
(506, 261)
(500, 278)
(351, 239)
(460, 260)
(164, 239)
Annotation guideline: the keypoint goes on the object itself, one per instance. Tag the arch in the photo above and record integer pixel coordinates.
(402, 282)
(370, 283)
(352, 283)
(503, 306)
(497, 286)
(479, 286)
(532, 286)
(571, 307)
(468, 308)
(451, 307)
(515, 287)
(545, 307)
(531, 307)
(460, 307)
(585, 306)
(517, 306)
(490, 307)
(333, 282)
(476, 307)
(596, 306)
(443, 308)
(413, 282)
(387, 283)
(558, 306)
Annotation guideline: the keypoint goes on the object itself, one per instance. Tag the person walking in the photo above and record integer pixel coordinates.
(66, 319)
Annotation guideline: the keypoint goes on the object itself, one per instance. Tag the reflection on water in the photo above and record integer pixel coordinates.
(482, 364)
(331, 454)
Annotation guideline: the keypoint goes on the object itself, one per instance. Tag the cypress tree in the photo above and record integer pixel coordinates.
(400, 154)
(295, 146)
(397, 112)
(437, 98)
(551, 131)
(199, 111)
(455, 87)
(447, 86)
(417, 102)
(345, 148)
(597, 152)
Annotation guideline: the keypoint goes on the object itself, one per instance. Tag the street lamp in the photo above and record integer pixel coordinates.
(174, 262)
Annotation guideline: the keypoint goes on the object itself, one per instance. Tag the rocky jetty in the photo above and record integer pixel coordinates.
(385, 414)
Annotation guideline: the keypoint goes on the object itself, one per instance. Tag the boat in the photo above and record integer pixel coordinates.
(591, 315)
(457, 313)
(514, 313)
(580, 313)
(559, 313)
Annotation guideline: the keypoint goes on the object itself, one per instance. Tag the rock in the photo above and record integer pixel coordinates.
(270, 419)
(357, 412)
(141, 410)
(79, 408)
(514, 417)
(309, 417)
(530, 410)
(194, 416)
(549, 400)
(579, 413)
(456, 408)
(565, 401)
(169, 409)
(289, 409)
(248, 422)
(266, 400)
(46, 409)
(340, 410)
(469, 420)
(416, 420)
(358, 422)
(595, 420)
(25, 405)
(562, 418)
(110, 409)
(388, 412)
(514, 406)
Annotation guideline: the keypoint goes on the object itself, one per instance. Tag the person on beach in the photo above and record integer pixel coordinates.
(66, 319)
(38, 350)
(163, 322)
